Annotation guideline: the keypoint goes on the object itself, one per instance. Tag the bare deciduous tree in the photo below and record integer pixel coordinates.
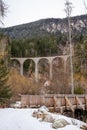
(68, 10)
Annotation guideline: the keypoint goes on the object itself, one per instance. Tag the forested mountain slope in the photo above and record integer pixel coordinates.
(46, 27)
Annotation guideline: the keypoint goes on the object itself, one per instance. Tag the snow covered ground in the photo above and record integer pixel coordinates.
(21, 119)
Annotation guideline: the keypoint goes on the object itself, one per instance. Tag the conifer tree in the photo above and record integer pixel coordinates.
(5, 90)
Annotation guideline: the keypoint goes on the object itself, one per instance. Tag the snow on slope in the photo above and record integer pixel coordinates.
(21, 119)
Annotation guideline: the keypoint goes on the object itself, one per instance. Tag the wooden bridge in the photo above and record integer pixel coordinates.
(56, 101)
(70, 105)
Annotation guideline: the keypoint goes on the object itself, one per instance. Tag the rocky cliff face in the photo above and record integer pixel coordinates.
(47, 26)
(77, 23)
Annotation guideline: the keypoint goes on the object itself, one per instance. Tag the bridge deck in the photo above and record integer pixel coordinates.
(56, 101)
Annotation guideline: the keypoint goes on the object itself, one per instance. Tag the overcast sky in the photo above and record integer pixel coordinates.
(25, 11)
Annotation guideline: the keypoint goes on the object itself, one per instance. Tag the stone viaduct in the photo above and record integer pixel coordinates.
(36, 61)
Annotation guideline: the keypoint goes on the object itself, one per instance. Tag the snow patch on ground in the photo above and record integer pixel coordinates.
(21, 119)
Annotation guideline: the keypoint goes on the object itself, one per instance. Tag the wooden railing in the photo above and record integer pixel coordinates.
(55, 101)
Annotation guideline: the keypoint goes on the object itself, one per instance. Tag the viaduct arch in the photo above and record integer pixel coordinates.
(36, 61)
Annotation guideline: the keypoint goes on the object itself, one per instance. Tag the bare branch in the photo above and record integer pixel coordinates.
(3, 9)
(85, 5)
(68, 8)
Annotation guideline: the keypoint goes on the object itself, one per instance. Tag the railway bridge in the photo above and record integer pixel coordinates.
(36, 60)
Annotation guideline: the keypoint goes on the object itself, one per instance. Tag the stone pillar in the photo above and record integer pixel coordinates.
(65, 62)
(36, 70)
(50, 61)
(21, 69)
(65, 66)
(65, 71)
